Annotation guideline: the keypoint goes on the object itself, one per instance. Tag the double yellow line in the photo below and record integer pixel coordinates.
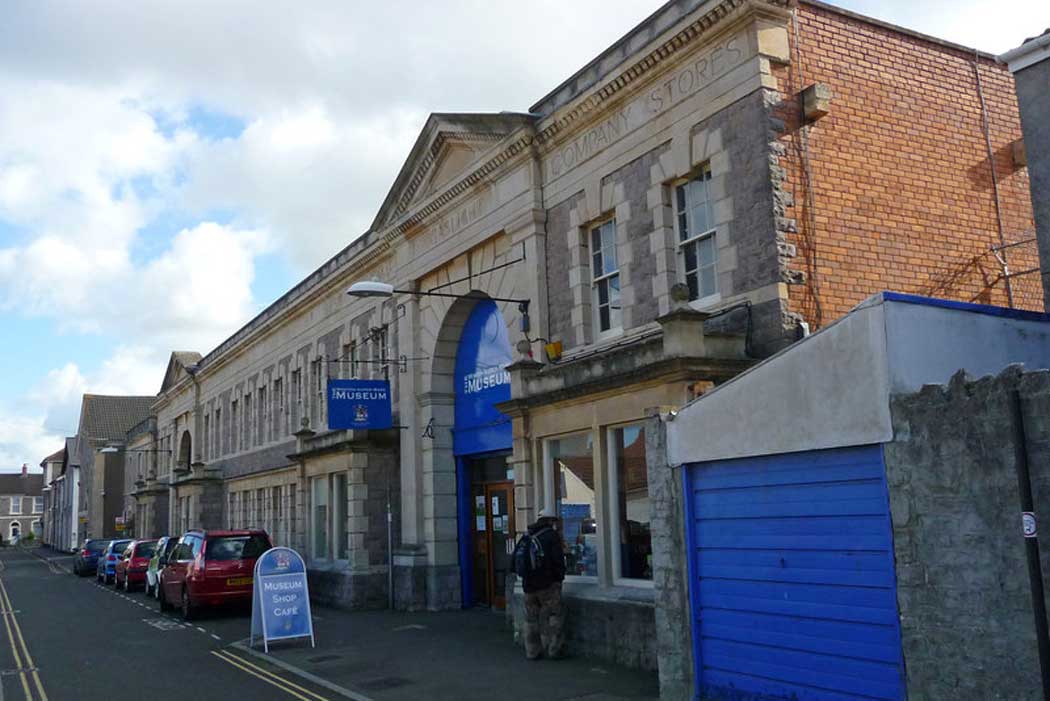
(256, 671)
(11, 624)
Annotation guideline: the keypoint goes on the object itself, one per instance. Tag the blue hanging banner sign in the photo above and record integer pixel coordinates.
(359, 404)
(482, 381)
(281, 598)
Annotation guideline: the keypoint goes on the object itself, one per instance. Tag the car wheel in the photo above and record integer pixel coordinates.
(76, 569)
(161, 600)
(188, 611)
(127, 583)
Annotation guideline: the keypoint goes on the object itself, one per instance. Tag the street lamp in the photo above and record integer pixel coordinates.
(374, 288)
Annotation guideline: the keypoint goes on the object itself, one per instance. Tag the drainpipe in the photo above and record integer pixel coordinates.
(1031, 541)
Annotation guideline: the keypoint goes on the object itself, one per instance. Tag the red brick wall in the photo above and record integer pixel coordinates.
(902, 195)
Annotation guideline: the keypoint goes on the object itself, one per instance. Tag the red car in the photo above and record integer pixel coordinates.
(211, 568)
(130, 570)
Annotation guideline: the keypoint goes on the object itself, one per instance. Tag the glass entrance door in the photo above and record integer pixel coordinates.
(492, 529)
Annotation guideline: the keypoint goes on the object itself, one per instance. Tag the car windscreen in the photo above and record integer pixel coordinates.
(118, 546)
(169, 545)
(235, 547)
(96, 546)
(146, 550)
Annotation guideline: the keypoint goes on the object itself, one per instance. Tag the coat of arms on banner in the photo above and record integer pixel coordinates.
(360, 413)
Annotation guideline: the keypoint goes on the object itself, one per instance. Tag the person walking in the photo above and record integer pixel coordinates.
(539, 559)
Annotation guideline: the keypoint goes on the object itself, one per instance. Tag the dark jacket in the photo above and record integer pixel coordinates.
(554, 558)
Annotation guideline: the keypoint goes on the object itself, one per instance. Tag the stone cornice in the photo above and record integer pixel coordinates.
(703, 26)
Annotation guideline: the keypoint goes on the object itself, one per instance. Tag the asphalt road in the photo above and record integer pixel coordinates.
(67, 637)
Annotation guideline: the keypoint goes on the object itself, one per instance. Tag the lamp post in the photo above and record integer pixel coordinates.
(374, 288)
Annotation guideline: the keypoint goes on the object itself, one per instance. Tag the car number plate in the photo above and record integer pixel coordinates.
(238, 581)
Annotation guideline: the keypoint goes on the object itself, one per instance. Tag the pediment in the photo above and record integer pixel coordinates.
(177, 365)
(448, 149)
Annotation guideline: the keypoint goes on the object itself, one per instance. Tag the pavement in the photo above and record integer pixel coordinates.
(83, 640)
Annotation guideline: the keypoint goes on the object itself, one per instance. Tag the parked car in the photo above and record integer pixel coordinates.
(86, 560)
(156, 563)
(211, 568)
(130, 571)
(108, 559)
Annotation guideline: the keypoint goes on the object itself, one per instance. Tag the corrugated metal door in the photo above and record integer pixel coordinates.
(792, 578)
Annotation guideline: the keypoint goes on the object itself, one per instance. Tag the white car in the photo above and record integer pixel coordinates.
(160, 558)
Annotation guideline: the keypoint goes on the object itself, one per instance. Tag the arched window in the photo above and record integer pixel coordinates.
(185, 450)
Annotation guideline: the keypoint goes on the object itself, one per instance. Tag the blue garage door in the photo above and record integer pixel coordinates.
(792, 579)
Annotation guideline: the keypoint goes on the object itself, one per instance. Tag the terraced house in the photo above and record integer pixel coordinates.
(728, 176)
(21, 505)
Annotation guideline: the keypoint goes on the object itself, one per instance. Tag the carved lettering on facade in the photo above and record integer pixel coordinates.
(464, 216)
(591, 142)
(698, 74)
(687, 81)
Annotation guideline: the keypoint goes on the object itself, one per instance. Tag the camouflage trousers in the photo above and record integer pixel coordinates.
(544, 620)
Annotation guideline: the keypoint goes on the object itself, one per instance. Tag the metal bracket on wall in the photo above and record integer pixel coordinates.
(470, 276)
(401, 361)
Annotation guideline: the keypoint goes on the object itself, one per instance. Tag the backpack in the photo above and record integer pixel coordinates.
(529, 556)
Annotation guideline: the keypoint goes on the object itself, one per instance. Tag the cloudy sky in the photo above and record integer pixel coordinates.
(167, 169)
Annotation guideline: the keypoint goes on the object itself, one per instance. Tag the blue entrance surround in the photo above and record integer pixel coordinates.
(481, 381)
(791, 577)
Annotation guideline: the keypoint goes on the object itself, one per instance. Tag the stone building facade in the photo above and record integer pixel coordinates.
(104, 423)
(21, 505)
(52, 467)
(66, 498)
(684, 205)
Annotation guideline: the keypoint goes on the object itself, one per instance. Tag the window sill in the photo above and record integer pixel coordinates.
(704, 304)
(329, 565)
(588, 589)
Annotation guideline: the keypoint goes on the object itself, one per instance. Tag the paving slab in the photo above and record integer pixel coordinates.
(395, 656)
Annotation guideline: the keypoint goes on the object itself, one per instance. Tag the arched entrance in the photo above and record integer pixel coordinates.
(482, 439)
(14, 530)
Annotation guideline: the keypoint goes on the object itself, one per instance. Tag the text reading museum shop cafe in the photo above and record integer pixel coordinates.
(359, 404)
(281, 599)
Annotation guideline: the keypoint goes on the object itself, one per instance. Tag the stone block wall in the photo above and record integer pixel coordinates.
(962, 580)
(616, 626)
(672, 617)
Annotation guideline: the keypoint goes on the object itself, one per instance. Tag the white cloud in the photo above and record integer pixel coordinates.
(25, 439)
(304, 175)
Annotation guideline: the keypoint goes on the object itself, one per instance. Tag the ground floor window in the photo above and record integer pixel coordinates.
(276, 516)
(319, 499)
(571, 460)
(633, 550)
(330, 539)
(600, 491)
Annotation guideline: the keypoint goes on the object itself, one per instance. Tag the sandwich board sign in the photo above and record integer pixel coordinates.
(280, 598)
